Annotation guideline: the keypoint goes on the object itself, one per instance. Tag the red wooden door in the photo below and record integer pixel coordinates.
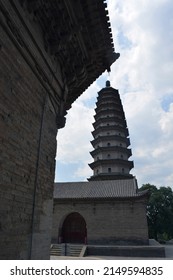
(74, 229)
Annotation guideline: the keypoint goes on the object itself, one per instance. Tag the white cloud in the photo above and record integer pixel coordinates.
(84, 170)
(143, 35)
(74, 140)
(72, 144)
(166, 122)
(142, 32)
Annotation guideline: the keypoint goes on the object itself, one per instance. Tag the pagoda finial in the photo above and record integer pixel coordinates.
(108, 84)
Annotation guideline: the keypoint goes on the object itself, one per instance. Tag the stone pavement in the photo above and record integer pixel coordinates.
(168, 252)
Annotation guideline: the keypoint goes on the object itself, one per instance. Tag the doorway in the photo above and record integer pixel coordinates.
(74, 229)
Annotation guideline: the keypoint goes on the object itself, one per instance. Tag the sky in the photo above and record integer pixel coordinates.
(143, 35)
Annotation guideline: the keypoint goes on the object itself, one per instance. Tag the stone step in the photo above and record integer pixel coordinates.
(74, 250)
(66, 249)
(56, 250)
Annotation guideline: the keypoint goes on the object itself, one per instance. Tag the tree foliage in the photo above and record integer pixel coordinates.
(160, 212)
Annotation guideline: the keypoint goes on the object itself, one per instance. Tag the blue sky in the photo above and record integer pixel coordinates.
(143, 34)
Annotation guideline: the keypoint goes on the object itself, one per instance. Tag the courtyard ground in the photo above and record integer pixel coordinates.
(168, 253)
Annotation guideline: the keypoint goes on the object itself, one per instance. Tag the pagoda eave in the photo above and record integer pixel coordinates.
(109, 149)
(108, 128)
(107, 111)
(110, 137)
(107, 162)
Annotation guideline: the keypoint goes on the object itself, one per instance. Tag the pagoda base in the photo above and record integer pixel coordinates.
(108, 176)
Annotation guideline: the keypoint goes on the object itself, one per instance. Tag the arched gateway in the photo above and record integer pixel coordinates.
(74, 229)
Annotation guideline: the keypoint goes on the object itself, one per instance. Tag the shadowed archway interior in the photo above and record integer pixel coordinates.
(74, 229)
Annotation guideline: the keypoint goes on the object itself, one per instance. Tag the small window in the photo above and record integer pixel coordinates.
(109, 170)
(108, 156)
(122, 170)
(108, 144)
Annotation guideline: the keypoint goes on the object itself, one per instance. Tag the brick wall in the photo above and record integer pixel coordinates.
(108, 222)
(27, 143)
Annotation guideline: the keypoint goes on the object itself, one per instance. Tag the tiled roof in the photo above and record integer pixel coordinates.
(97, 189)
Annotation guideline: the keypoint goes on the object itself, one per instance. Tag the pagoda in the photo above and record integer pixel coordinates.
(111, 138)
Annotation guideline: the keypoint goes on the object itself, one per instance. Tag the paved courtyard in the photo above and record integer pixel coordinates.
(168, 252)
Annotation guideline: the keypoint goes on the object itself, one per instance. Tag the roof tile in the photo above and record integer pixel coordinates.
(97, 189)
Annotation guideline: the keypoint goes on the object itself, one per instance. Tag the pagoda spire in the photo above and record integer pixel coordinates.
(111, 138)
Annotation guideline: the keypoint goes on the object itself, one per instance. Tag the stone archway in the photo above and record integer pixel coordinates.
(74, 229)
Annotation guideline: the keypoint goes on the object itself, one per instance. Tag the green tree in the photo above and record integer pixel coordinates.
(160, 212)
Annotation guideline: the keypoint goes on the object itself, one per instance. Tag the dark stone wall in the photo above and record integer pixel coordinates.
(27, 151)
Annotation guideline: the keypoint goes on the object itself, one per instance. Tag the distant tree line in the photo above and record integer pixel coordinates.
(160, 212)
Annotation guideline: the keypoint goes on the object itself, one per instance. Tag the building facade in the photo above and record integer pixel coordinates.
(109, 212)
